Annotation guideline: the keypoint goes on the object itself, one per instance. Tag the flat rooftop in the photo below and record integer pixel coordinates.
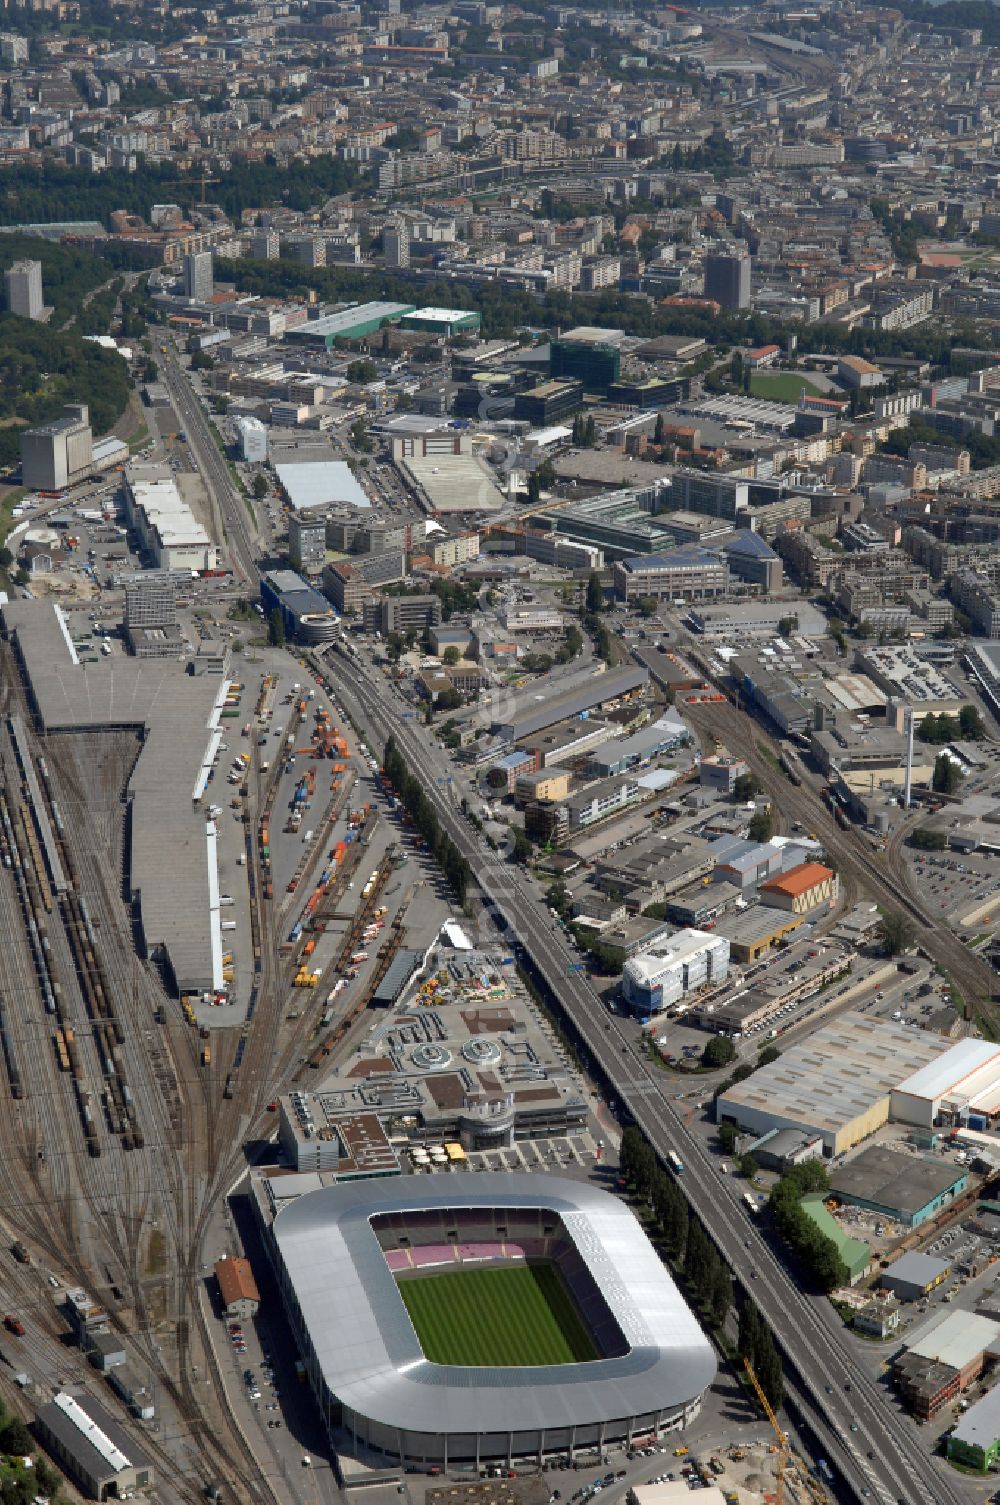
(890, 1179)
(839, 1073)
(329, 326)
(171, 854)
(321, 483)
(453, 483)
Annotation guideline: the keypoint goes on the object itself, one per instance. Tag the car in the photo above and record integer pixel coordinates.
(681, 1452)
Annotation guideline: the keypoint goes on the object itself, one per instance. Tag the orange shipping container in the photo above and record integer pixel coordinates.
(309, 947)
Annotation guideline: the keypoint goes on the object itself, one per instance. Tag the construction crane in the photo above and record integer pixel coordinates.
(781, 1436)
(785, 1459)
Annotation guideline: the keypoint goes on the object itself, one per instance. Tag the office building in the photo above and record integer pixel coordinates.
(396, 245)
(198, 276)
(727, 277)
(24, 289)
(307, 542)
(596, 363)
(675, 967)
(688, 573)
(151, 628)
(251, 436)
(58, 454)
(265, 245)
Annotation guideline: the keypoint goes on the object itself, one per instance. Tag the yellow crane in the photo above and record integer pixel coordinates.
(781, 1437)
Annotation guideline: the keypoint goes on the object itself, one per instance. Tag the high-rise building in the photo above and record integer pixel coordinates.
(24, 289)
(199, 278)
(307, 543)
(265, 245)
(252, 439)
(396, 245)
(727, 277)
(56, 455)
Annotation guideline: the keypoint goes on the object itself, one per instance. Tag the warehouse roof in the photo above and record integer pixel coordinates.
(544, 711)
(836, 1075)
(321, 483)
(329, 326)
(453, 483)
(955, 1071)
(980, 1426)
(90, 1435)
(798, 880)
(170, 857)
(887, 1178)
(371, 1358)
(916, 1269)
(954, 1338)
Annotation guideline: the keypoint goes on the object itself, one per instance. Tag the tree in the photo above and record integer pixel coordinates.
(276, 629)
(767, 1055)
(787, 626)
(451, 655)
(572, 644)
(595, 593)
(761, 826)
(647, 606)
(746, 787)
(523, 847)
(658, 432)
(15, 1438)
(748, 1166)
(719, 1051)
(720, 1298)
(971, 723)
(727, 1135)
(362, 371)
(260, 486)
(394, 646)
(895, 933)
(947, 775)
(928, 841)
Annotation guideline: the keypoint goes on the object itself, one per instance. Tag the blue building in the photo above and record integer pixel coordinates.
(308, 617)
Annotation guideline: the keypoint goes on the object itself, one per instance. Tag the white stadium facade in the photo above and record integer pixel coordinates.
(337, 1252)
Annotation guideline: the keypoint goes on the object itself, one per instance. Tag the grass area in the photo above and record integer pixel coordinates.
(782, 386)
(139, 437)
(504, 1316)
(156, 1253)
(7, 504)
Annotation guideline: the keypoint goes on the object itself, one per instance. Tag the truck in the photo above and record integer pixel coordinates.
(14, 1325)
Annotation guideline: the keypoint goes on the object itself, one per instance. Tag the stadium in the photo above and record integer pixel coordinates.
(446, 1319)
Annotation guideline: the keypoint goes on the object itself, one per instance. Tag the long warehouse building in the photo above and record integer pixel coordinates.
(616, 684)
(172, 866)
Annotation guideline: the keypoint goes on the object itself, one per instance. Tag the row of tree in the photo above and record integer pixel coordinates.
(967, 725)
(818, 1253)
(692, 1252)
(410, 790)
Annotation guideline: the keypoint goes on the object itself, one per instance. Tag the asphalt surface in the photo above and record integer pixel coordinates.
(839, 1397)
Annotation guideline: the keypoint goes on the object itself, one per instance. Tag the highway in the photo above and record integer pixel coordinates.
(211, 462)
(883, 1459)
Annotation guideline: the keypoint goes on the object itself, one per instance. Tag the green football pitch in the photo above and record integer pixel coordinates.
(504, 1316)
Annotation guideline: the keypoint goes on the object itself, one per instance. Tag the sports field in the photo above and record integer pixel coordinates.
(504, 1316)
(783, 386)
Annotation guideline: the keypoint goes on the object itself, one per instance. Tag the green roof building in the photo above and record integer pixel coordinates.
(444, 321)
(854, 1252)
(975, 1442)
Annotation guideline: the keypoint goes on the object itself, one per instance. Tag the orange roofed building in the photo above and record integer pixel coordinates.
(237, 1287)
(800, 889)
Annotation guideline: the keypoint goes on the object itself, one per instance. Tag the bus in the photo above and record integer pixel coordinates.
(750, 1203)
(675, 1163)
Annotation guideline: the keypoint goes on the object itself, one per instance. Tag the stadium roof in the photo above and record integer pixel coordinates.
(369, 1353)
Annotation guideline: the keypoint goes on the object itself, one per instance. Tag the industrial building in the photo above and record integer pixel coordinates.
(623, 753)
(442, 321)
(962, 1086)
(599, 690)
(451, 482)
(674, 968)
(689, 573)
(348, 323)
(855, 1255)
(172, 872)
(907, 1188)
(913, 1276)
(800, 889)
(326, 483)
(24, 289)
(307, 616)
(164, 523)
(58, 454)
(720, 772)
(974, 1441)
(339, 1253)
(92, 1448)
(151, 627)
(943, 1358)
(838, 1084)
